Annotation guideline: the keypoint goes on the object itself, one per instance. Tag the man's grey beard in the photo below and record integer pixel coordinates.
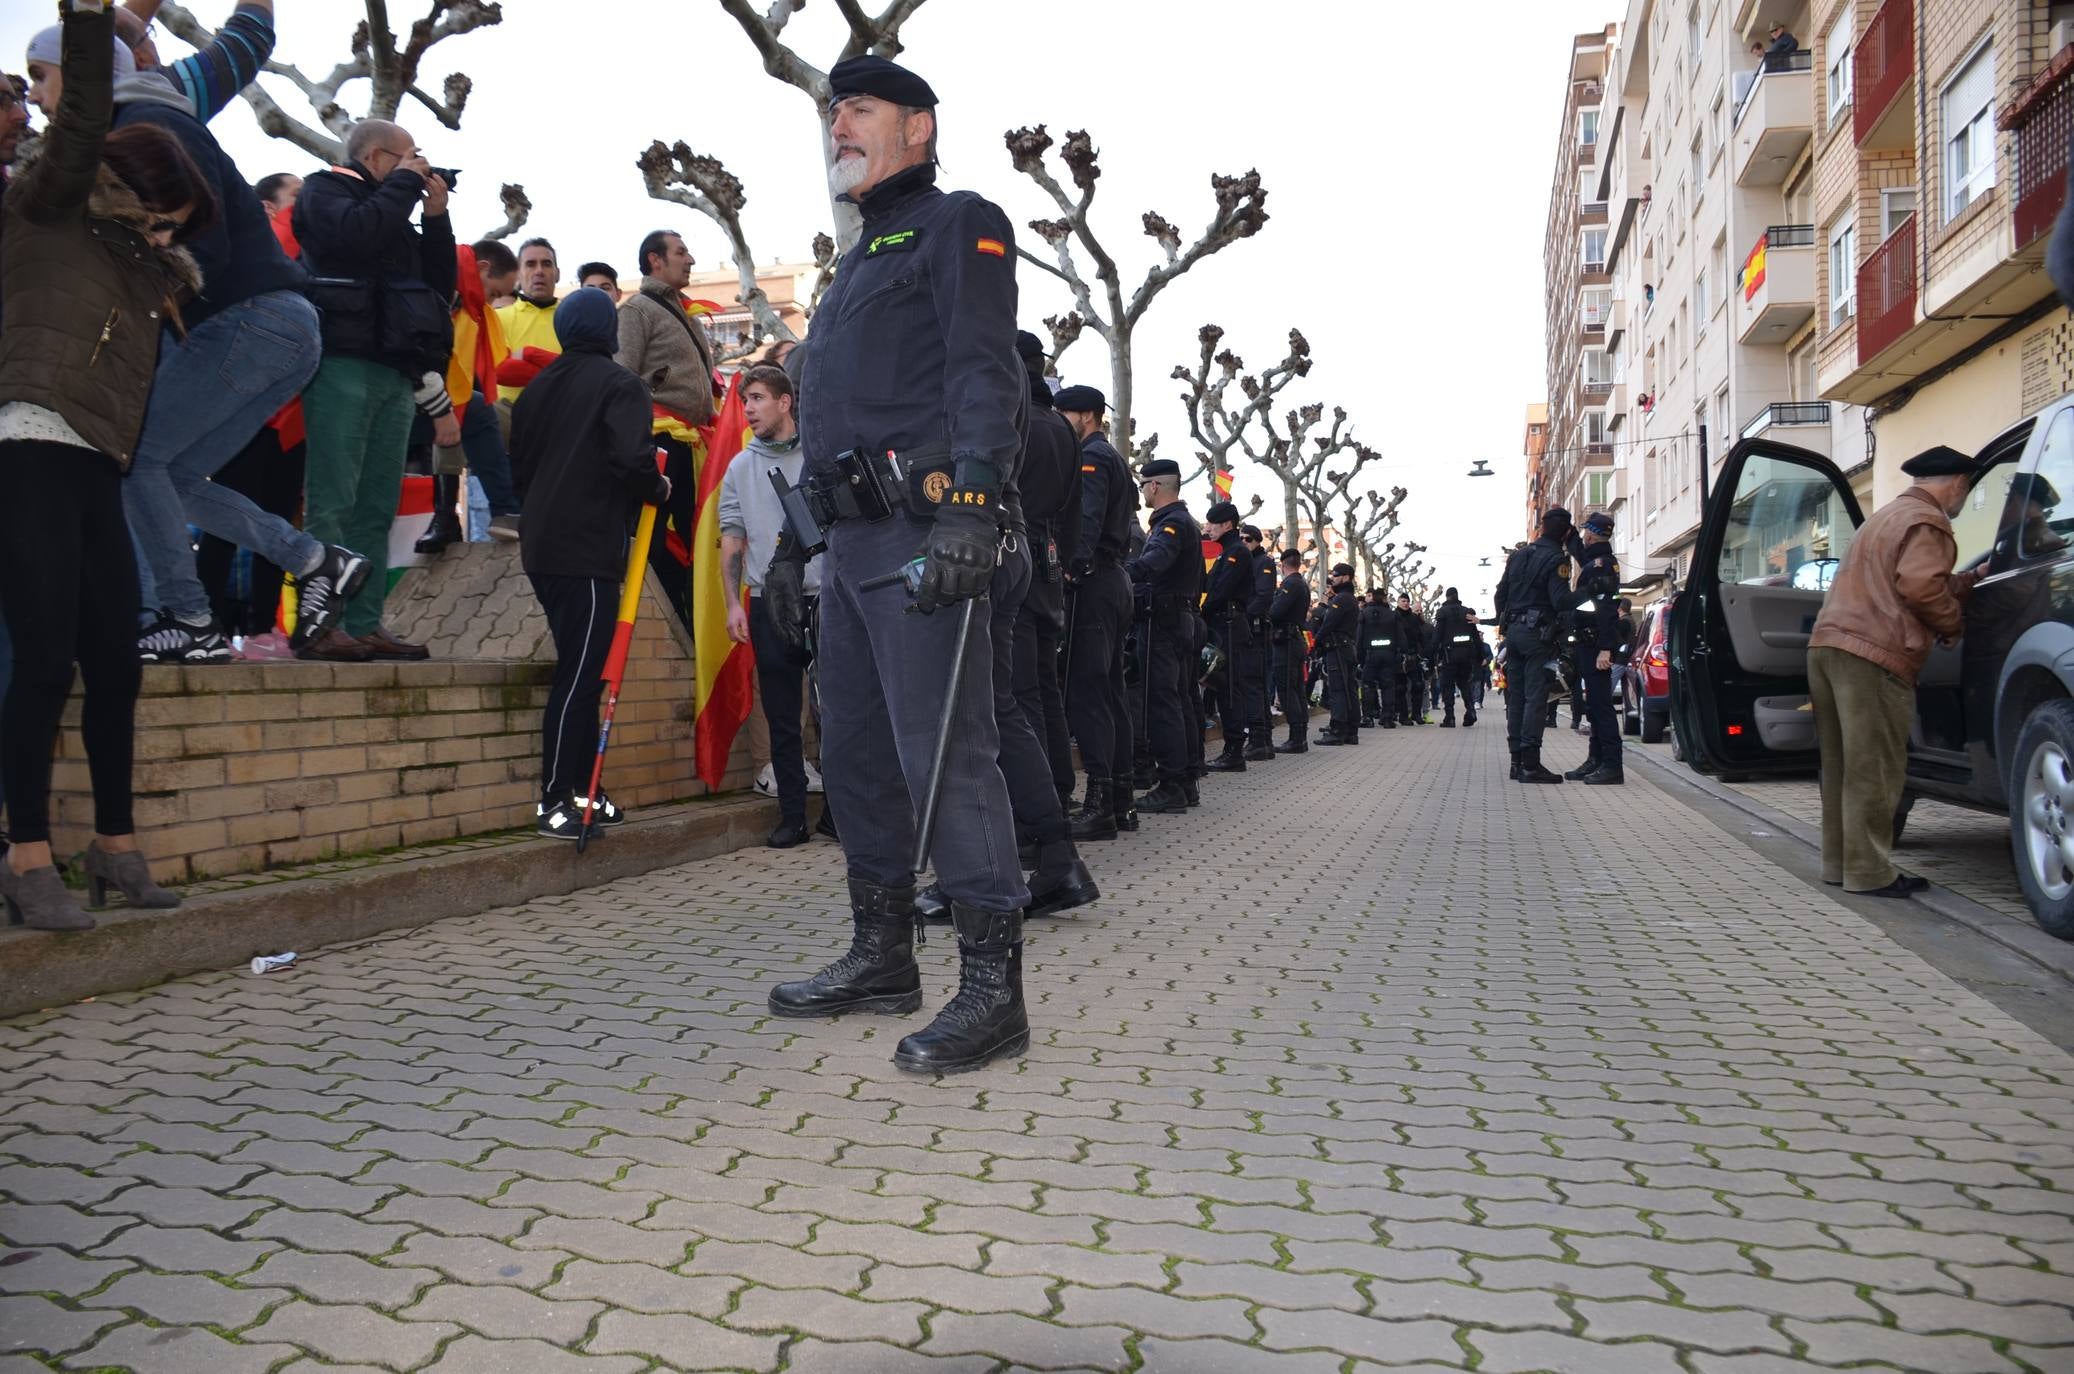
(845, 174)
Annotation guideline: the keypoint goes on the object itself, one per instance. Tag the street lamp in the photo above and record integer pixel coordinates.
(1482, 468)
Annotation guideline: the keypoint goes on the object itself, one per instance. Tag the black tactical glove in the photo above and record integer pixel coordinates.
(785, 590)
(964, 549)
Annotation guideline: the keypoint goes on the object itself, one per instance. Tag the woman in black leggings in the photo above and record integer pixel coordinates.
(91, 271)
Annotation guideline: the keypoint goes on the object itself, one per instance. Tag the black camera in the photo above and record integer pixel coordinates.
(450, 175)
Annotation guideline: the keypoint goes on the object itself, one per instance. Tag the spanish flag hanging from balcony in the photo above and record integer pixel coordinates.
(1753, 267)
(721, 696)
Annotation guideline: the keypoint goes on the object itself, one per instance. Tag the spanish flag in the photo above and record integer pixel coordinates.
(1221, 480)
(721, 699)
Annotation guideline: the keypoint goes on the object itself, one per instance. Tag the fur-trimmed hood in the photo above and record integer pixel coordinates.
(113, 200)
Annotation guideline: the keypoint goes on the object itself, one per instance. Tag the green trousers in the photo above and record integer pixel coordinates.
(358, 417)
(1862, 713)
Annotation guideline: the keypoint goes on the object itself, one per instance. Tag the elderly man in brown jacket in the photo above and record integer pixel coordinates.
(1895, 593)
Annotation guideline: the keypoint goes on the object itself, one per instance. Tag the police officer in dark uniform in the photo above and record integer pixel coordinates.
(1052, 509)
(1456, 647)
(1287, 615)
(1229, 588)
(1337, 620)
(1532, 593)
(1412, 635)
(1099, 621)
(1375, 660)
(910, 421)
(1599, 643)
(1167, 575)
(1260, 743)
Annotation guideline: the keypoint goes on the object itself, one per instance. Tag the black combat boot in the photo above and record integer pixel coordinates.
(1061, 881)
(1608, 775)
(1469, 715)
(1146, 775)
(1530, 769)
(1262, 748)
(985, 1020)
(1123, 805)
(446, 518)
(1296, 743)
(878, 974)
(1167, 799)
(1515, 765)
(1192, 789)
(1232, 759)
(1583, 770)
(1447, 722)
(1096, 819)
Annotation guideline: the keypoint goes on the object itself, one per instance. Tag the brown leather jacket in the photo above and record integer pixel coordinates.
(87, 292)
(1896, 591)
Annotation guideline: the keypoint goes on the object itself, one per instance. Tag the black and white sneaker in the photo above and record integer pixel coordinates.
(321, 596)
(557, 819)
(171, 640)
(608, 814)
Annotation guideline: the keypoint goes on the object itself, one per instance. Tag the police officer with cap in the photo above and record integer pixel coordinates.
(1412, 634)
(1532, 592)
(1456, 645)
(1230, 587)
(910, 421)
(1337, 619)
(1287, 615)
(1167, 576)
(1099, 617)
(1050, 481)
(1599, 644)
(1375, 659)
(1260, 743)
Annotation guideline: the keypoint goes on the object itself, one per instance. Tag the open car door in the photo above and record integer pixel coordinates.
(1771, 539)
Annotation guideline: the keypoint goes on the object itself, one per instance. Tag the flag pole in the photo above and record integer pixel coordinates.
(615, 670)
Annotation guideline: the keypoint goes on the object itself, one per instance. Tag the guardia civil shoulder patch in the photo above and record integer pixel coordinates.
(994, 246)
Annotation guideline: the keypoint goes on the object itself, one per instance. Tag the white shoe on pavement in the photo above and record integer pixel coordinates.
(813, 779)
(767, 781)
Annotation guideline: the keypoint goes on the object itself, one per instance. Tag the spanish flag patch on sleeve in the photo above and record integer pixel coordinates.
(994, 246)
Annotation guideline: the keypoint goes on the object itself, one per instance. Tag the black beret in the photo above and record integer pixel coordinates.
(1938, 462)
(1222, 510)
(1291, 556)
(1343, 570)
(1028, 346)
(869, 75)
(1249, 531)
(1158, 467)
(1082, 399)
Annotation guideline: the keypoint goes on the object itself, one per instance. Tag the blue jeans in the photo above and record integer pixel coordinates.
(484, 448)
(211, 394)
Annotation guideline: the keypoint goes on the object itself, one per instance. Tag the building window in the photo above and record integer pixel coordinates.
(1596, 370)
(1843, 269)
(1598, 301)
(1594, 241)
(1837, 48)
(1699, 299)
(1587, 127)
(1719, 257)
(1968, 107)
(1717, 125)
(1595, 426)
(1699, 173)
(1597, 487)
(1897, 203)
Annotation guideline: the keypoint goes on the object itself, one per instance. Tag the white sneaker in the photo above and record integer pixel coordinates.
(767, 781)
(813, 779)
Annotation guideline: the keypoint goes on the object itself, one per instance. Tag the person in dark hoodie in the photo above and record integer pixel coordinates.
(583, 460)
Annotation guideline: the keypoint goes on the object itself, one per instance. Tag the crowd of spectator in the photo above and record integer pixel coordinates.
(210, 390)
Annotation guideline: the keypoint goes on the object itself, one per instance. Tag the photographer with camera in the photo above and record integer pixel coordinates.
(386, 289)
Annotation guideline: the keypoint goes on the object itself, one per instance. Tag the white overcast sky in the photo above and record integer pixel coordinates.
(1406, 150)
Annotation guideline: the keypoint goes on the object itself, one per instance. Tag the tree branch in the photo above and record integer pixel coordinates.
(778, 59)
(517, 209)
(1241, 213)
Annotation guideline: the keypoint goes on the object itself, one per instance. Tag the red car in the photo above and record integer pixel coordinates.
(1646, 709)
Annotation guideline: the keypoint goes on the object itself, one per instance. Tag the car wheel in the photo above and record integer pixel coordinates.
(2041, 817)
(1653, 732)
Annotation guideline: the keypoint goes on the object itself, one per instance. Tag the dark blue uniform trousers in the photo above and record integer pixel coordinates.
(1025, 766)
(883, 674)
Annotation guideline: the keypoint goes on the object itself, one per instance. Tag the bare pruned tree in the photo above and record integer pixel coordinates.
(675, 173)
(392, 71)
(867, 34)
(1216, 420)
(1241, 211)
(1363, 530)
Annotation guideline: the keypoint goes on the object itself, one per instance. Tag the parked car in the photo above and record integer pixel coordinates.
(1646, 676)
(1994, 720)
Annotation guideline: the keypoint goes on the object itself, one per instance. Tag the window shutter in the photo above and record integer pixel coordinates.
(1970, 90)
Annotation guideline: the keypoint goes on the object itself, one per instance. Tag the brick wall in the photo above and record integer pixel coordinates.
(248, 766)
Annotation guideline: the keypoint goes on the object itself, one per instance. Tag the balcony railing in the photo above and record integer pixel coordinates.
(1887, 291)
(1787, 413)
(1799, 60)
(2043, 121)
(1881, 65)
(1777, 236)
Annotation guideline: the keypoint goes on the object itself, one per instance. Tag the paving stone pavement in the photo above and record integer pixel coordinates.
(1366, 1065)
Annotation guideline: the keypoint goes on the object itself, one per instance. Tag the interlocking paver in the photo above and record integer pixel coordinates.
(1353, 1129)
(38, 1324)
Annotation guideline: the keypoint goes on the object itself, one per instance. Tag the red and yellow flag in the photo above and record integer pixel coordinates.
(721, 701)
(1221, 479)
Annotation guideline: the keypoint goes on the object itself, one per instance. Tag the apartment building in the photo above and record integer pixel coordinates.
(1940, 162)
(1535, 447)
(1577, 460)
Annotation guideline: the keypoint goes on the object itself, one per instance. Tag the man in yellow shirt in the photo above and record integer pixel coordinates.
(529, 321)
